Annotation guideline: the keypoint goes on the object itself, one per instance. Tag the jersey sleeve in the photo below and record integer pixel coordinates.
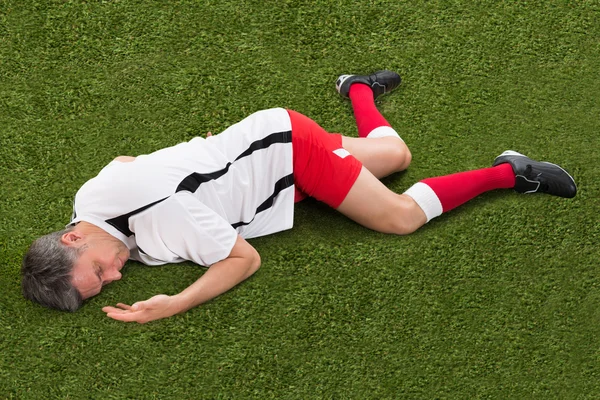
(184, 227)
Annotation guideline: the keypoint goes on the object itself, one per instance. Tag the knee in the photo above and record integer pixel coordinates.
(401, 155)
(402, 227)
(407, 156)
(405, 219)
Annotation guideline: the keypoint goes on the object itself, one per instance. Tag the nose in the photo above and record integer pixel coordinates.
(117, 275)
(113, 275)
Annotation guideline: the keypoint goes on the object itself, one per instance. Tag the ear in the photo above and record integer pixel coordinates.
(72, 238)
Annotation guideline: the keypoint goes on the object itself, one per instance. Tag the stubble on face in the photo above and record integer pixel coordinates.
(99, 263)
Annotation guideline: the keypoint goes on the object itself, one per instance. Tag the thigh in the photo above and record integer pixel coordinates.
(382, 156)
(323, 169)
(371, 204)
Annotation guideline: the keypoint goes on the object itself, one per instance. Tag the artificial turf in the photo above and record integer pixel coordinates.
(498, 299)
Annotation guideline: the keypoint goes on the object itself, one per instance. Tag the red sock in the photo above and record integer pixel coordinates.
(442, 194)
(366, 113)
(456, 189)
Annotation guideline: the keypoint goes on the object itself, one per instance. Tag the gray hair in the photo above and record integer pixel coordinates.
(47, 269)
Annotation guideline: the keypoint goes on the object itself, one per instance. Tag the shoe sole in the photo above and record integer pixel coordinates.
(340, 81)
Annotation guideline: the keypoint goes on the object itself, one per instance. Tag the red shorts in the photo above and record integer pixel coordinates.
(323, 169)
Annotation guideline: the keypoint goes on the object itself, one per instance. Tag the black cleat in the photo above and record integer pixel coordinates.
(381, 82)
(538, 176)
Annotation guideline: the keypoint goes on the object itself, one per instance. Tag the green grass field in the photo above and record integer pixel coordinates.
(498, 299)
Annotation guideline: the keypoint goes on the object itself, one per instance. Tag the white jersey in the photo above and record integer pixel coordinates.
(190, 201)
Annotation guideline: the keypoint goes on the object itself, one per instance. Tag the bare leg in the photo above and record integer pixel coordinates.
(374, 206)
(379, 148)
(381, 156)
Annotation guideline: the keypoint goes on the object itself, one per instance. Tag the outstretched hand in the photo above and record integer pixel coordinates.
(242, 262)
(156, 307)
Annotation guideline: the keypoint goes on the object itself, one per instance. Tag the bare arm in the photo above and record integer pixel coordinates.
(221, 276)
(124, 159)
(243, 261)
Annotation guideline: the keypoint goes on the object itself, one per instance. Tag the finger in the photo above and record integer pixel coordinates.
(140, 305)
(121, 317)
(112, 309)
(127, 317)
(121, 306)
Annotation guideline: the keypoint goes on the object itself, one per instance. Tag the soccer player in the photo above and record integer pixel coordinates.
(201, 200)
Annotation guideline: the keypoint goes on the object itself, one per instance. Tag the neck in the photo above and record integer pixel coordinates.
(97, 234)
(88, 229)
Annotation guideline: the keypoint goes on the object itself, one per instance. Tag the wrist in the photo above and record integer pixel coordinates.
(180, 303)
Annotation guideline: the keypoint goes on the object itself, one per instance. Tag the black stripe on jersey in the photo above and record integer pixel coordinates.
(280, 185)
(193, 181)
(277, 137)
(121, 223)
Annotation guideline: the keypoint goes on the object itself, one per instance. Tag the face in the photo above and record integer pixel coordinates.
(99, 264)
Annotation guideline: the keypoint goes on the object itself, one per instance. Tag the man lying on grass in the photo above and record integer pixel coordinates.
(201, 200)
